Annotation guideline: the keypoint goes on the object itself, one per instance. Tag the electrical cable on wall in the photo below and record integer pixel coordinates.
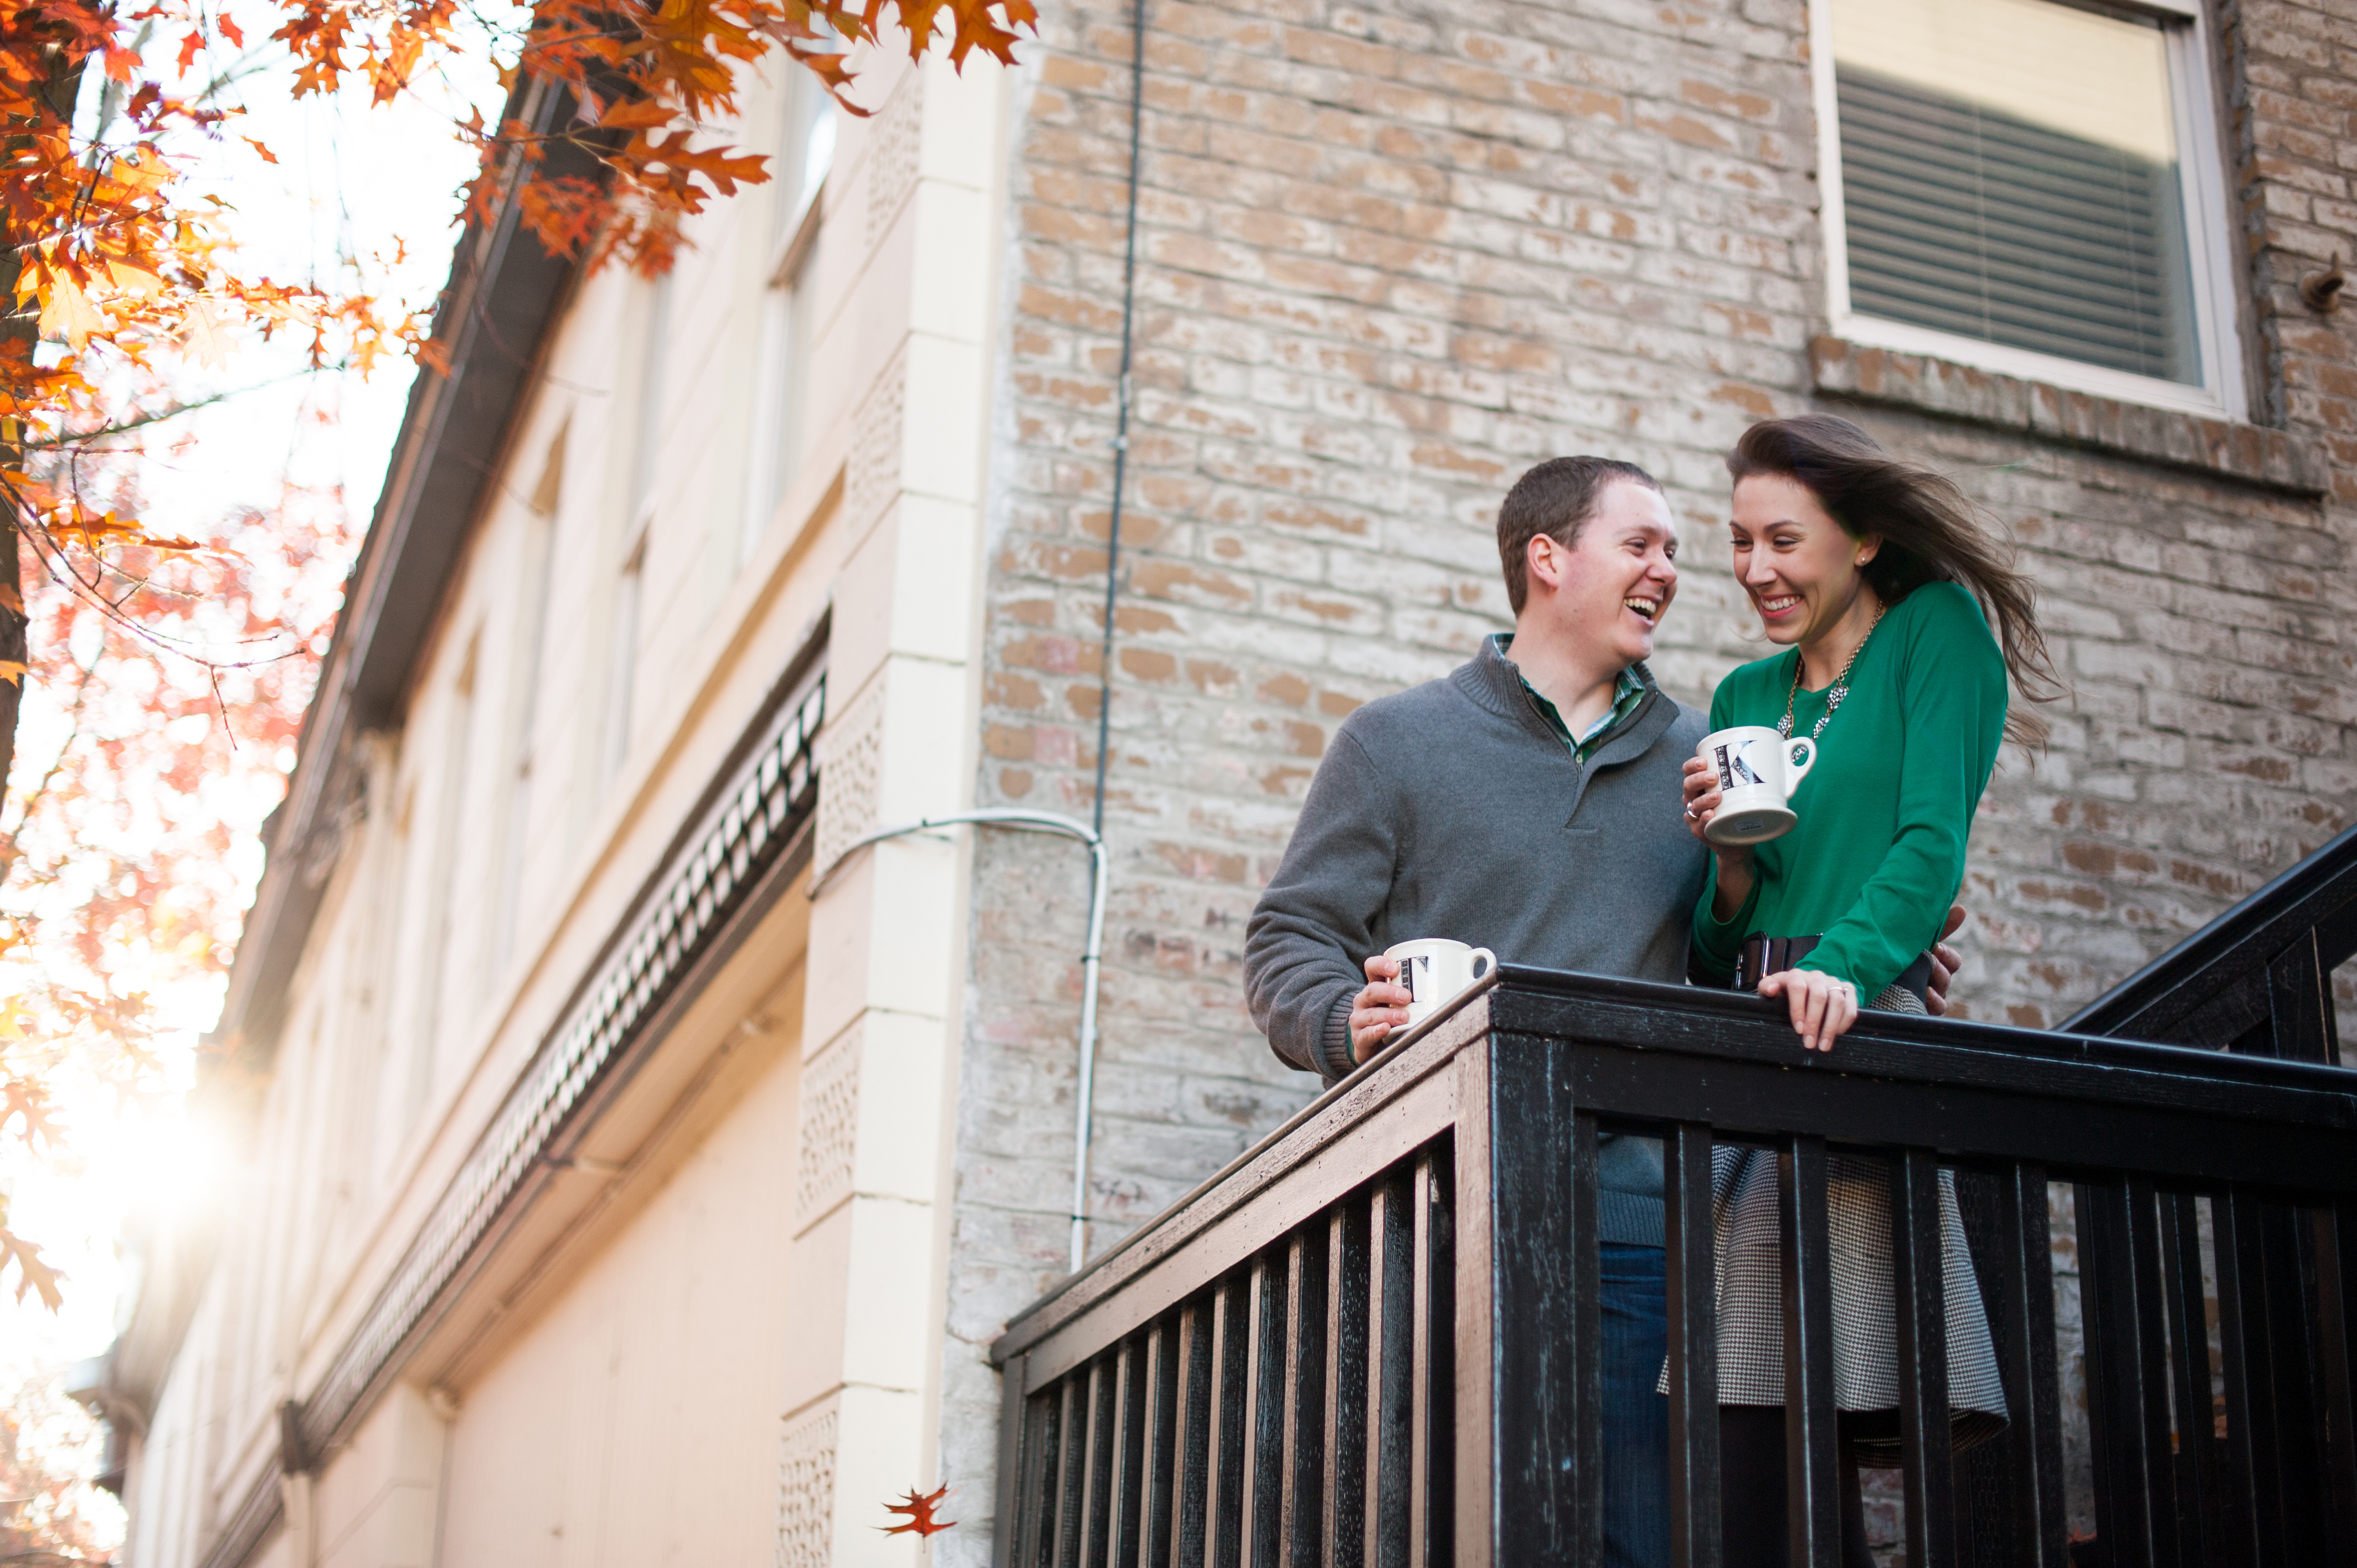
(1121, 407)
(1092, 834)
(1092, 958)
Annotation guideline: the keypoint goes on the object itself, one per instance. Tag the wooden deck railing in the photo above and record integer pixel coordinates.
(1373, 1341)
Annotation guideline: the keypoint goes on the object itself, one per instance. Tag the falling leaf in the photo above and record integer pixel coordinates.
(920, 1521)
(32, 1273)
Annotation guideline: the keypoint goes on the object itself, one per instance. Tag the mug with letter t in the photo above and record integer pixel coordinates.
(1756, 770)
(1435, 969)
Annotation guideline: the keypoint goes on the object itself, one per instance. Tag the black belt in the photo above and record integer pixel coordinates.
(1764, 956)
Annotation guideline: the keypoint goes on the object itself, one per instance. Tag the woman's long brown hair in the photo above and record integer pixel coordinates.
(1930, 532)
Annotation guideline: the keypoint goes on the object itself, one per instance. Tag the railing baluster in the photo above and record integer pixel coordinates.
(2252, 1532)
(1097, 1488)
(1390, 1352)
(1587, 1344)
(1693, 1347)
(2334, 1229)
(2151, 1353)
(1431, 1465)
(1304, 1405)
(1129, 1452)
(1072, 1469)
(1264, 1460)
(1811, 1448)
(2127, 1378)
(2188, 1337)
(1193, 1503)
(1918, 1296)
(1230, 1342)
(1347, 1312)
(1158, 1465)
(1034, 1505)
(2023, 1290)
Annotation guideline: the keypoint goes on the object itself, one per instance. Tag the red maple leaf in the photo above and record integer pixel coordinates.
(920, 1521)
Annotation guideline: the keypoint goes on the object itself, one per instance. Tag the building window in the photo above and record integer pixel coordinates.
(2030, 187)
(805, 154)
(622, 656)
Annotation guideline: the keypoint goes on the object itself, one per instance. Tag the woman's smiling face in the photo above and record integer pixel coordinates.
(1799, 565)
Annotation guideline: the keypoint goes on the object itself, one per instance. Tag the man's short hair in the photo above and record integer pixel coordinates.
(1557, 499)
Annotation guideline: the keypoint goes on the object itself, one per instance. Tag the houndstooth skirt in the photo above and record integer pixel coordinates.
(1750, 1278)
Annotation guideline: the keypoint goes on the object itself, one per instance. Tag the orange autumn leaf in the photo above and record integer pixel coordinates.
(67, 312)
(642, 115)
(920, 1508)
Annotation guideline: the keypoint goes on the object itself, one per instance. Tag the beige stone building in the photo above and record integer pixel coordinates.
(607, 1198)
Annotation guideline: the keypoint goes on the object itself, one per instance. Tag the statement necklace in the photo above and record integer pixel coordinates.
(1834, 694)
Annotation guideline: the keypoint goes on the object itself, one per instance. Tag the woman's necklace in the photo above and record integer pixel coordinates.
(1834, 693)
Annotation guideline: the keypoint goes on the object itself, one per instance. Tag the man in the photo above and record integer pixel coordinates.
(1528, 802)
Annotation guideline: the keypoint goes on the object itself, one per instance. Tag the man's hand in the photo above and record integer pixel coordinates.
(1379, 1009)
(1822, 1007)
(1945, 962)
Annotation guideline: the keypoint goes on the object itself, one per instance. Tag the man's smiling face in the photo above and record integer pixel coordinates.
(1614, 585)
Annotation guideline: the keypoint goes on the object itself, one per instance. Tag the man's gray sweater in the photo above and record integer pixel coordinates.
(1452, 810)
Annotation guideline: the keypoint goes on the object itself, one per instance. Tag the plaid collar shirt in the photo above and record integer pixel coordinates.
(1627, 692)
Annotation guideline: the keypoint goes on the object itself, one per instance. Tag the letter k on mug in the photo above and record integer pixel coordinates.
(1435, 969)
(1757, 771)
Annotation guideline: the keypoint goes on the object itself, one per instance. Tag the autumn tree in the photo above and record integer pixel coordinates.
(117, 274)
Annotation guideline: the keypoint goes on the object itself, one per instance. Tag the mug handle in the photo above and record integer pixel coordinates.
(1799, 755)
(1484, 972)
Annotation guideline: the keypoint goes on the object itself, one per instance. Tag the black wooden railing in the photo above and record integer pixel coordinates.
(1372, 1340)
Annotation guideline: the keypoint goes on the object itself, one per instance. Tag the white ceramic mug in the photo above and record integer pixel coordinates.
(1757, 771)
(1435, 969)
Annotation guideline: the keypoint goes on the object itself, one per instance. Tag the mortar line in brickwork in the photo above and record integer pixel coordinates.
(1121, 411)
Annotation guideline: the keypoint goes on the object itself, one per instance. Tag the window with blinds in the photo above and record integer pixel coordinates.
(2010, 172)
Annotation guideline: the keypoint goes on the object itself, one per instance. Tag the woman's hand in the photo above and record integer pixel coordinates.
(1735, 872)
(1824, 1006)
(1945, 962)
(1702, 797)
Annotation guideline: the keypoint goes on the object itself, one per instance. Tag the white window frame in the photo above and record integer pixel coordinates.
(2208, 231)
(769, 471)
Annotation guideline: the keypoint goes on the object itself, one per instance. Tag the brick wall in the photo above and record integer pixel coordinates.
(1389, 257)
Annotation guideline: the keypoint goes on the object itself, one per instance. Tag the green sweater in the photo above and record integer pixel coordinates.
(1878, 854)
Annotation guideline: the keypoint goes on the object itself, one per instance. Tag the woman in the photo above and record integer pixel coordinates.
(1880, 585)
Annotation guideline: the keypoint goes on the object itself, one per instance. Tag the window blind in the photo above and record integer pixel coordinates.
(1964, 218)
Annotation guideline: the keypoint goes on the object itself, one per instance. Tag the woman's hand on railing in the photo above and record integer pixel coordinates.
(1380, 1007)
(1824, 1006)
(1735, 872)
(1945, 962)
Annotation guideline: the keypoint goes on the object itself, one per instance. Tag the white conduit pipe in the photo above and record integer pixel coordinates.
(1092, 961)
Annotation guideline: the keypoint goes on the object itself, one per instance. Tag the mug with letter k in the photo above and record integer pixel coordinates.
(1435, 969)
(1756, 770)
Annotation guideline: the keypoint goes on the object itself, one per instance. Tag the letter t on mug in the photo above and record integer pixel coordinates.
(1435, 969)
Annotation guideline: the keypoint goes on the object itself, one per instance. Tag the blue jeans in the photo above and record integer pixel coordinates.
(1636, 1419)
